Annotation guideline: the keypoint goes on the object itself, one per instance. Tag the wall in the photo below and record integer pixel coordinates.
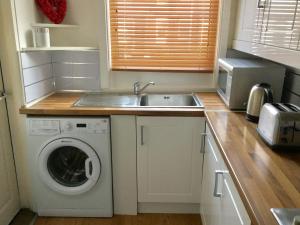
(92, 31)
(13, 85)
(291, 91)
(27, 14)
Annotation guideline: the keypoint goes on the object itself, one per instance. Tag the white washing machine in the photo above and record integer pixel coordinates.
(70, 166)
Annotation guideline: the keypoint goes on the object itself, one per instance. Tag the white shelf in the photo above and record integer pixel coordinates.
(52, 25)
(33, 49)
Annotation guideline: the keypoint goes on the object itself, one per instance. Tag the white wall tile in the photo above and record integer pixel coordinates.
(35, 74)
(41, 69)
(68, 66)
(38, 90)
(86, 70)
(30, 59)
(62, 83)
(86, 57)
(62, 56)
(60, 70)
(86, 84)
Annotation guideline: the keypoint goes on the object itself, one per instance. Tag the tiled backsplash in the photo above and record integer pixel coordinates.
(45, 72)
(292, 88)
(76, 70)
(38, 79)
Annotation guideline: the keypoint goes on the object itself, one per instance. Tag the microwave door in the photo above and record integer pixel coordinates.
(222, 81)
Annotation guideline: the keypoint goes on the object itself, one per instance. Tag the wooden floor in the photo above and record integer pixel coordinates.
(141, 219)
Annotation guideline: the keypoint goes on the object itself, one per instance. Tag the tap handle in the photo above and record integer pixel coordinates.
(137, 83)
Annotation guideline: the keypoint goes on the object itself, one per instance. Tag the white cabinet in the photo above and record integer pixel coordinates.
(279, 24)
(295, 37)
(269, 22)
(269, 29)
(123, 138)
(220, 201)
(209, 205)
(249, 17)
(169, 159)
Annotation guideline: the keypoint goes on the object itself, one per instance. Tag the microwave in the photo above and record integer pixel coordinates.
(236, 77)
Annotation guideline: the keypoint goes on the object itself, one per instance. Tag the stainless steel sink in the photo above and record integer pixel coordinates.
(147, 100)
(170, 100)
(108, 100)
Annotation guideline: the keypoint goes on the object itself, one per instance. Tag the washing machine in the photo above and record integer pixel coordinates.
(70, 166)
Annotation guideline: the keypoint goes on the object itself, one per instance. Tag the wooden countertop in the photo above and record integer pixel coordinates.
(62, 104)
(265, 178)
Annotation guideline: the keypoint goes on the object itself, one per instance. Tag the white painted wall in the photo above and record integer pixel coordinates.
(93, 31)
(12, 81)
(85, 14)
(27, 14)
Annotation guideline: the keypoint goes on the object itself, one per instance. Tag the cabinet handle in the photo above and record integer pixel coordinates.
(142, 135)
(2, 96)
(217, 173)
(202, 149)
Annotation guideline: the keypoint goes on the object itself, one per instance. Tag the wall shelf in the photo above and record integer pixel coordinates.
(33, 49)
(52, 25)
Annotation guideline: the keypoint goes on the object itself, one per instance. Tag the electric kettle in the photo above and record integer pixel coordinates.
(259, 95)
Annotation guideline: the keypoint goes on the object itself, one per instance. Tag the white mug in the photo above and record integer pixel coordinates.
(41, 37)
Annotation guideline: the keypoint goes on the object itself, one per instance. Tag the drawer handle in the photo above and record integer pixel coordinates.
(202, 149)
(217, 173)
(142, 135)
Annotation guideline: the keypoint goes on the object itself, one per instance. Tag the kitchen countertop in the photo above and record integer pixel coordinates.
(62, 104)
(264, 178)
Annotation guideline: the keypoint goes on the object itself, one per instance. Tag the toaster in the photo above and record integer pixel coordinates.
(279, 125)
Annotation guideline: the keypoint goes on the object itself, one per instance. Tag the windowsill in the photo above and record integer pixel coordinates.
(166, 71)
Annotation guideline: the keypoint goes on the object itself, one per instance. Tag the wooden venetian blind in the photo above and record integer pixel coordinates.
(163, 34)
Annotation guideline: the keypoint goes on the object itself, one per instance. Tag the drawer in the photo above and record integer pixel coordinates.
(233, 209)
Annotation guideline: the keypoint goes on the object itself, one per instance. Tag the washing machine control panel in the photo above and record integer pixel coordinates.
(96, 126)
(50, 127)
(44, 127)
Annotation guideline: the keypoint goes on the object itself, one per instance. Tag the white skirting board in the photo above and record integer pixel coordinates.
(180, 208)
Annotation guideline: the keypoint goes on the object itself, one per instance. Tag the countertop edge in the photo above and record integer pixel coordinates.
(113, 111)
(61, 104)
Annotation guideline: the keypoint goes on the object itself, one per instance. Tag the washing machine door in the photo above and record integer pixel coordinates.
(69, 166)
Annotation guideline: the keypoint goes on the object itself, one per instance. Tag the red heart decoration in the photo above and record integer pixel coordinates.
(55, 10)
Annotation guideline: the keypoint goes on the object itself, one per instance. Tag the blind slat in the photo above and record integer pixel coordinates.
(163, 34)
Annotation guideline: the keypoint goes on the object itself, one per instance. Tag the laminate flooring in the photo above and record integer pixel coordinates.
(140, 219)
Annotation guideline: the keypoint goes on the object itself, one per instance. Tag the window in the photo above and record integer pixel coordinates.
(171, 35)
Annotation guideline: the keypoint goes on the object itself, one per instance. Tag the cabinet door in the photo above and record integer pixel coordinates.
(233, 212)
(123, 144)
(249, 20)
(220, 201)
(169, 159)
(210, 205)
(9, 197)
(279, 23)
